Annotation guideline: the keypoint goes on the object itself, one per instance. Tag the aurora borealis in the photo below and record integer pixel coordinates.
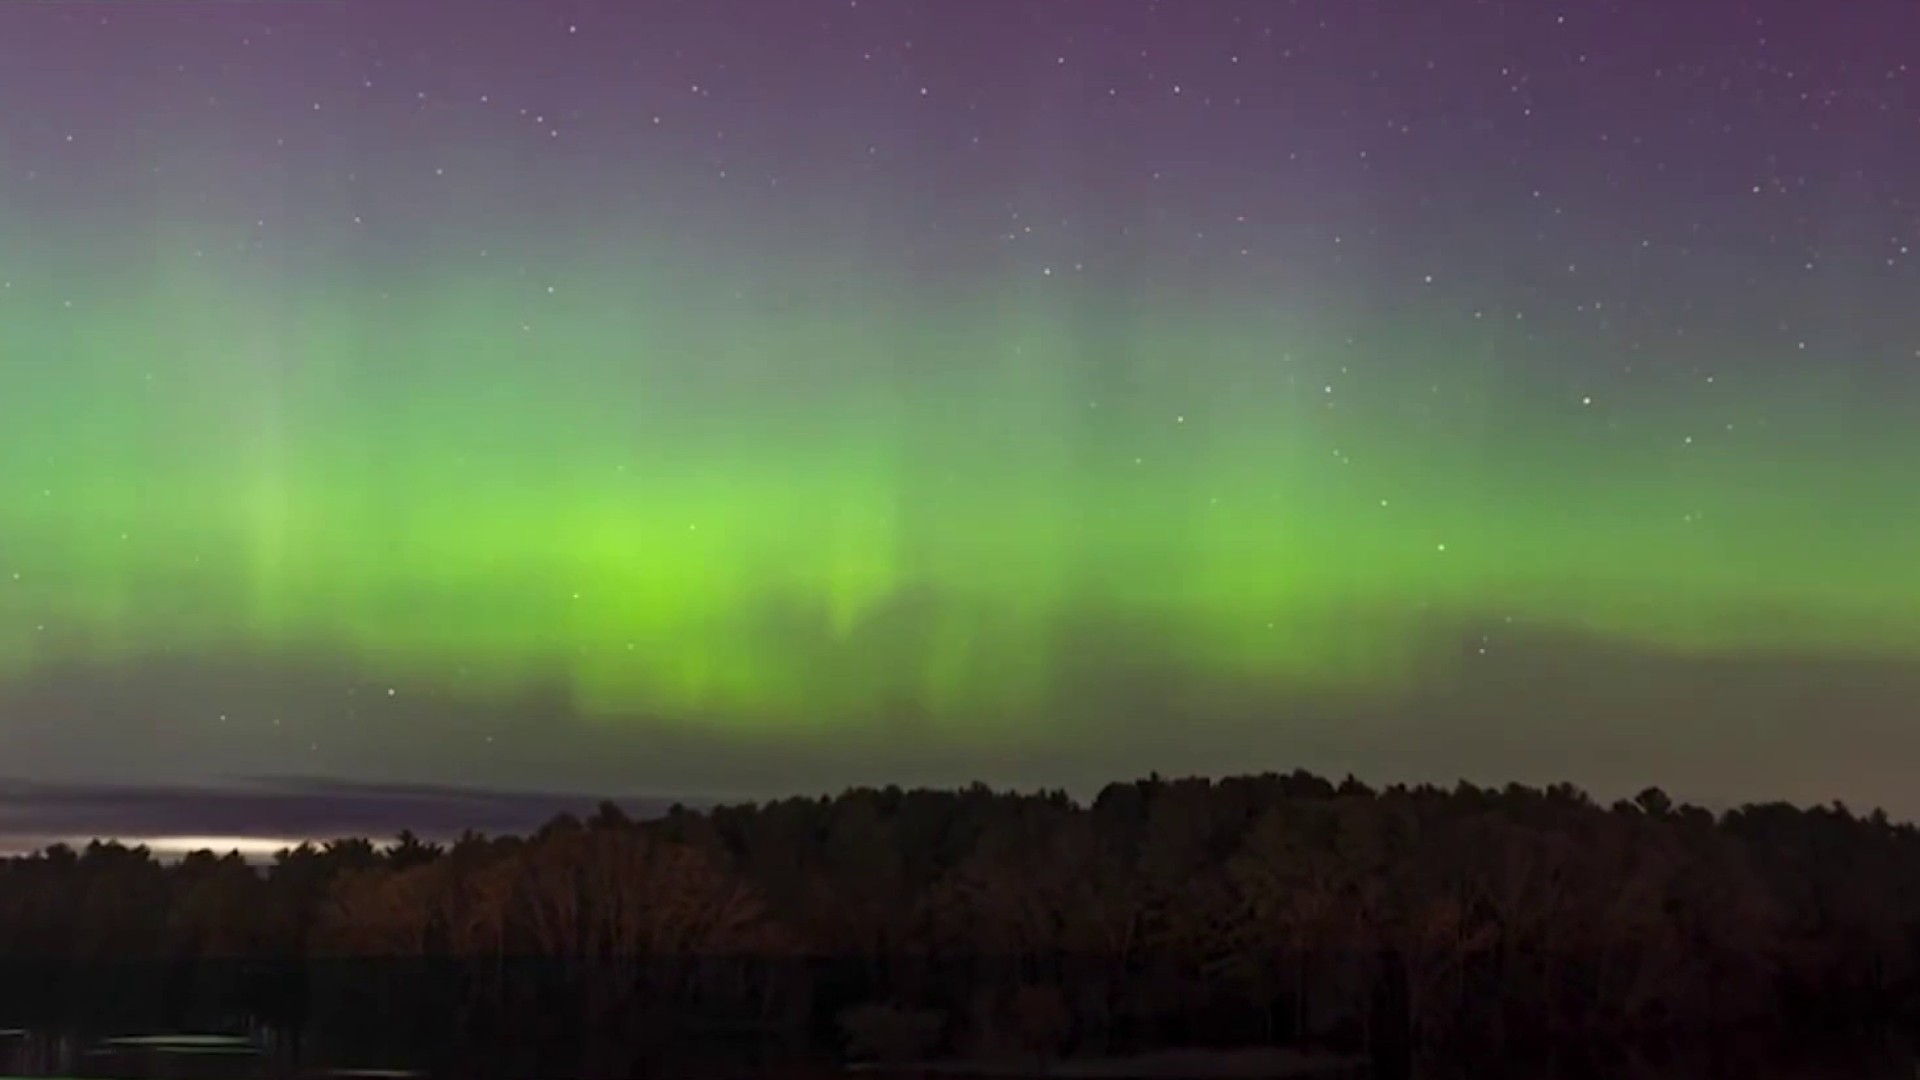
(758, 396)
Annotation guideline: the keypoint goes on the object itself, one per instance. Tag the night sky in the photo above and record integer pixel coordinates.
(743, 397)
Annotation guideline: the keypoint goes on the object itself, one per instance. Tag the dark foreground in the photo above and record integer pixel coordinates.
(1415, 928)
(266, 1056)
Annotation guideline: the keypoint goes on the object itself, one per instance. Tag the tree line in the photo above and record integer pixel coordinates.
(882, 923)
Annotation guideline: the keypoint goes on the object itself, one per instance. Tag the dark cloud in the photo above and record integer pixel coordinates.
(143, 749)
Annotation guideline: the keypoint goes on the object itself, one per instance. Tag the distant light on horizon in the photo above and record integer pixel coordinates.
(165, 848)
(248, 846)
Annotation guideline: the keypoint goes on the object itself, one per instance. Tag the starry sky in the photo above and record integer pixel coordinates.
(740, 397)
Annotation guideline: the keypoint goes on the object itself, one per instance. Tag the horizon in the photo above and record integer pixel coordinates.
(438, 814)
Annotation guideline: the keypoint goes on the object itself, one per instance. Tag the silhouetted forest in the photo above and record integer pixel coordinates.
(898, 925)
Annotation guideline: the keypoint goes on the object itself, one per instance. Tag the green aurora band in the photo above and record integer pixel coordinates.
(869, 503)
